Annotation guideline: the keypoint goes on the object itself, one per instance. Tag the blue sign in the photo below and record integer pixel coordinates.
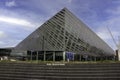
(70, 55)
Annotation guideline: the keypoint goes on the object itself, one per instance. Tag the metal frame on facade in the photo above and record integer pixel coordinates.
(64, 32)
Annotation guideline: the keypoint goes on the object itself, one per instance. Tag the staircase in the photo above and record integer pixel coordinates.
(57, 71)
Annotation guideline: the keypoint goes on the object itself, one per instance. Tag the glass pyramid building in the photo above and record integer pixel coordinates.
(63, 37)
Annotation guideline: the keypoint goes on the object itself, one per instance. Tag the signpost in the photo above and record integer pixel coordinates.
(70, 56)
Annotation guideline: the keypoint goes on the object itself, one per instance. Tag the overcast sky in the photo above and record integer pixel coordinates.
(18, 18)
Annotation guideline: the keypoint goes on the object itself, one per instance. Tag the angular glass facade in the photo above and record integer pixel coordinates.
(64, 33)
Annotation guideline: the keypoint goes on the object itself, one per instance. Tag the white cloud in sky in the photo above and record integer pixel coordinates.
(113, 22)
(104, 33)
(2, 34)
(20, 22)
(1, 42)
(114, 12)
(16, 21)
(11, 20)
(10, 3)
(27, 20)
(9, 43)
(69, 1)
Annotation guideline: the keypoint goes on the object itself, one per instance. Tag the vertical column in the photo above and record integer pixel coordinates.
(53, 55)
(80, 58)
(90, 58)
(95, 58)
(106, 58)
(37, 56)
(64, 56)
(31, 55)
(118, 55)
(73, 56)
(44, 55)
(86, 57)
(101, 59)
(114, 57)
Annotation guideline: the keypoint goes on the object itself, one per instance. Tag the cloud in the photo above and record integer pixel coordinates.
(19, 22)
(16, 21)
(115, 11)
(69, 1)
(10, 4)
(25, 19)
(9, 43)
(113, 21)
(2, 34)
(104, 34)
(1, 42)
(9, 40)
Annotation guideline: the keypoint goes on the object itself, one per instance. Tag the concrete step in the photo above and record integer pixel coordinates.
(16, 71)
(62, 77)
(3, 66)
(61, 74)
(62, 71)
(44, 64)
(13, 78)
(66, 69)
